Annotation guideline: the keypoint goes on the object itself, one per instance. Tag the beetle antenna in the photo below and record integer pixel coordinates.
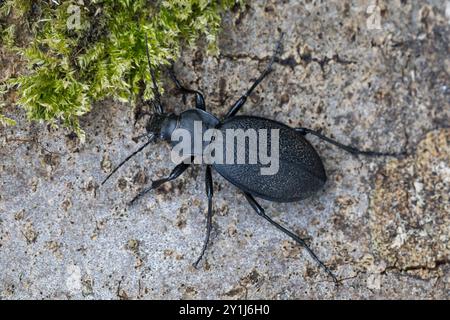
(150, 140)
(157, 96)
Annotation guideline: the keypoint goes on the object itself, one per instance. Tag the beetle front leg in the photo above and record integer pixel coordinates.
(199, 99)
(176, 172)
(260, 211)
(209, 194)
(350, 149)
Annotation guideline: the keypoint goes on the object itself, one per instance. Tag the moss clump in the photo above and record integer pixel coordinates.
(82, 52)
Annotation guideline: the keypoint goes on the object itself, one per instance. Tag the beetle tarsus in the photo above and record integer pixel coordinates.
(209, 194)
(349, 149)
(176, 172)
(241, 101)
(140, 194)
(261, 212)
(155, 184)
(199, 99)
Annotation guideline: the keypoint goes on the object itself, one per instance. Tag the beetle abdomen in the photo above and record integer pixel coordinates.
(298, 174)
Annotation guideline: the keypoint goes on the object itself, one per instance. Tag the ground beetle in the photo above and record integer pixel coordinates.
(301, 171)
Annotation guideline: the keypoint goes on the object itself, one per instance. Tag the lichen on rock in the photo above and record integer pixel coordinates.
(409, 212)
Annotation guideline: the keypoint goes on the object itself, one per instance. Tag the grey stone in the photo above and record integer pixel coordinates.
(381, 224)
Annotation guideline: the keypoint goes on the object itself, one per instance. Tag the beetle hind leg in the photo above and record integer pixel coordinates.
(350, 149)
(209, 193)
(261, 212)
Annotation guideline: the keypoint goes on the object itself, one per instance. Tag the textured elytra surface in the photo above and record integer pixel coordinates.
(294, 170)
(380, 224)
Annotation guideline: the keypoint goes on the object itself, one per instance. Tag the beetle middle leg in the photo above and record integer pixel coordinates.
(241, 101)
(261, 212)
(199, 99)
(350, 149)
(176, 172)
(209, 194)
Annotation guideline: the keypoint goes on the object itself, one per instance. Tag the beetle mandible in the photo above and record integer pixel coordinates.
(301, 172)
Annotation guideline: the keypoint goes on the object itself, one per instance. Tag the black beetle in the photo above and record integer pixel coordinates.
(301, 172)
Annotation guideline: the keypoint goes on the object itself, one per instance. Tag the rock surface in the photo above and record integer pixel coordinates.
(374, 76)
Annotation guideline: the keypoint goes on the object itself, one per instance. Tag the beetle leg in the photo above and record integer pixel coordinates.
(350, 149)
(209, 193)
(241, 101)
(260, 211)
(199, 99)
(176, 172)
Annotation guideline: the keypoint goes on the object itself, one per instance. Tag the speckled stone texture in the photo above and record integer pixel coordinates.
(373, 76)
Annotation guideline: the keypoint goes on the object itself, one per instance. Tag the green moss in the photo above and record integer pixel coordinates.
(71, 64)
(4, 120)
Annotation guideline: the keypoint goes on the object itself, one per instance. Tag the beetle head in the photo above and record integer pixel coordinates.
(161, 125)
